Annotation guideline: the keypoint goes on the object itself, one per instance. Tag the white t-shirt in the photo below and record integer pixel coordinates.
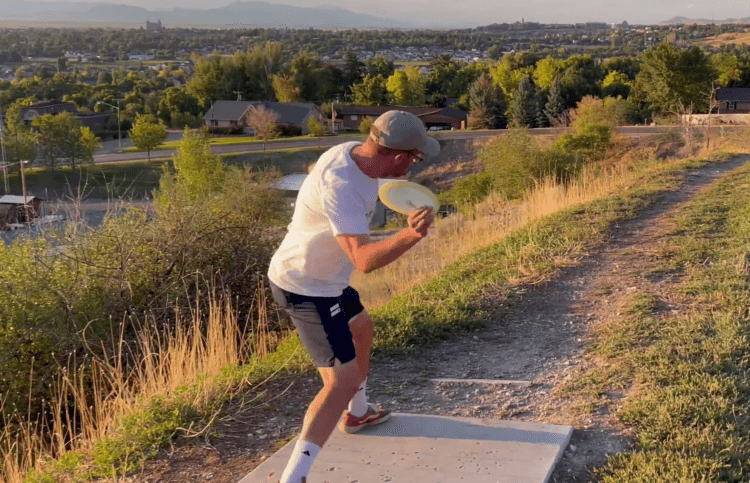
(337, 198)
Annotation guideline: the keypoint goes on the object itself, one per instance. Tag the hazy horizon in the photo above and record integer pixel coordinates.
(442, 13)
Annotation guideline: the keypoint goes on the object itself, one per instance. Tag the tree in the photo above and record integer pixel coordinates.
(353, 69)
(62, 138)
(616, 84)
(285, 88)
(147, 134)
(371, 91)
(379, 65)
(487, 107)
(674, 79)
(88, 144)
(197, 172)
(610, 112)
(509, 79)
(309, 76)
(365, 125)
(555, 107)
(20, 141)
(264, 122)
(315, 127)
(178, 108)
(546, 71)
(522, 110)
(104, 78)
(62, 64)
(407, 87)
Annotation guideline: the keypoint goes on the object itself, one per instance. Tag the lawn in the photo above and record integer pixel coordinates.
(224, 140)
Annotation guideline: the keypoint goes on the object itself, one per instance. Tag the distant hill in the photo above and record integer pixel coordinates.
(703, 21)
(237, 14)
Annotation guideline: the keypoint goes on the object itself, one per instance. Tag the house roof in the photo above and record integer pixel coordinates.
(419, 111)
(227, 110)
(736, 94)
(16, 200)
(288, 112)
(49, 107)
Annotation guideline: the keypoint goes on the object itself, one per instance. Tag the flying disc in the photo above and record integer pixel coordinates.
(404, 196)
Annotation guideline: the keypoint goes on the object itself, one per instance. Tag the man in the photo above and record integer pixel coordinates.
(328, 238)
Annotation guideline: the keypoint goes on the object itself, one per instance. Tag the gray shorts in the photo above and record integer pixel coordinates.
(322, 323)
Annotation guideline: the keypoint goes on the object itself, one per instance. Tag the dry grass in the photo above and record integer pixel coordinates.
(729, 38)
(192, 354)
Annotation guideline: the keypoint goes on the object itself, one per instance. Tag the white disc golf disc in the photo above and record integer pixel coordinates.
(405, 197)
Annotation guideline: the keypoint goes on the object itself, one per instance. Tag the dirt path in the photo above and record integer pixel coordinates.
(539, 337)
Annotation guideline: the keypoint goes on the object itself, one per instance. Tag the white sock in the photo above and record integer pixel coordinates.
(358, 404)
(301, 461)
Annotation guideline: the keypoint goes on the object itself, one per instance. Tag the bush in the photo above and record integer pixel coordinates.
(591, 142)
(364, 126)
(515, 162)
(611, 112)
(469, 190)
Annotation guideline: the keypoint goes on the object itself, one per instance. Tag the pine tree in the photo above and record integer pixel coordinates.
(487, 106)
(522, 112)
(554, 109)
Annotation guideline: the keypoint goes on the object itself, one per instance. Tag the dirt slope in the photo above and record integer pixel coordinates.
(539, 337)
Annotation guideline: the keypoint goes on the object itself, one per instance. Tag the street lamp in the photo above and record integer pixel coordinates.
(119, 135)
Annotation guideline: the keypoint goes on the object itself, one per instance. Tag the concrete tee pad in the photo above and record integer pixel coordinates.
(414, 448)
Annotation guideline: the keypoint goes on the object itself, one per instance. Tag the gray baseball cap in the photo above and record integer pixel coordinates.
(403, 131)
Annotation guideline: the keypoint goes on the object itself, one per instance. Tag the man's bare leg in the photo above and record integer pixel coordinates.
(362, 334)
(340, 383)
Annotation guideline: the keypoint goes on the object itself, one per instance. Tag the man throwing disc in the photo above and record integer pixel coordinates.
(328, 238)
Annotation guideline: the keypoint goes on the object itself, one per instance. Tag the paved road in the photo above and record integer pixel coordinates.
(334, 140)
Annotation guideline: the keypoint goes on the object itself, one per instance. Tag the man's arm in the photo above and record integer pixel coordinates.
(367, 255)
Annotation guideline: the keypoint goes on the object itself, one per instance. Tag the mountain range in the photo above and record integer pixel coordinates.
(237, 14)
(703, 21)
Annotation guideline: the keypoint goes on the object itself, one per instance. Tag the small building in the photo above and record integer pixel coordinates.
(434, 118)
(12, 211)
(154, 26)
(733, 100)
(292, 116)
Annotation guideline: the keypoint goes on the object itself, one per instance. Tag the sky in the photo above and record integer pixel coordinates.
(484, 12)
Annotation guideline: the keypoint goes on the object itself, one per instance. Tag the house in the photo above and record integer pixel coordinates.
(292, 116)
(733, 100)
(88, 119)
(11, 209)
(434, 118)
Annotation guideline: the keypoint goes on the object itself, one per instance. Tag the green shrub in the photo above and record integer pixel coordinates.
(515, 162)
(469, 190)
(364, 126)
(591, 141)
(610, 111)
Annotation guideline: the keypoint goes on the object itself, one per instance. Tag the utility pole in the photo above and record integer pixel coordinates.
(23, 190)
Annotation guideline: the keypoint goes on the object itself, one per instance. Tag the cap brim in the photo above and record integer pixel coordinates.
(430, 147)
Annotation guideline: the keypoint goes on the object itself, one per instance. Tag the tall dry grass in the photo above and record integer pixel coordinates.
(191, 354)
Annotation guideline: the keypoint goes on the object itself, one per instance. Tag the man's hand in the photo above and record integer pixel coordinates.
(420, 221)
